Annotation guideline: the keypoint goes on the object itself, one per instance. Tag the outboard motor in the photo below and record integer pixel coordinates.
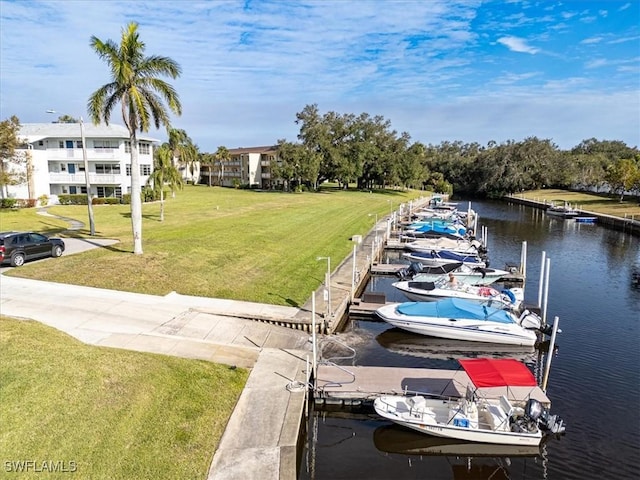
(408, 272)
(529, 320)
(551, 423)
(536, 416)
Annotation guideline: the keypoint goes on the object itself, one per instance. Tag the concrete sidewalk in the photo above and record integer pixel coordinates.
(261, 436)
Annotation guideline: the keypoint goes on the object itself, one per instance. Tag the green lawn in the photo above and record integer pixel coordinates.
(217, 242)
(587, 201)
(115, 414)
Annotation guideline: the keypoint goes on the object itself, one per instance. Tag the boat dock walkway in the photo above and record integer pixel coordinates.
(354, 385)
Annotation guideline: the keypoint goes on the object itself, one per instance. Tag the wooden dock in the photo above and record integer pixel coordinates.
(355, 385)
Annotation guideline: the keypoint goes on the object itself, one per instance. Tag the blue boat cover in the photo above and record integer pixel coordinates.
(455, 308)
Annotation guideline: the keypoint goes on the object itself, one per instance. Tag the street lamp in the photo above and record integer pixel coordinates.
(327, 282)
(92, 227)
(376, 225)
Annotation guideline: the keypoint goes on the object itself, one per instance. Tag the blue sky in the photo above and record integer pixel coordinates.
(440, 70)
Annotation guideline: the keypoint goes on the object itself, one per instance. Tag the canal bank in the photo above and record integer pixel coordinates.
(629, 225)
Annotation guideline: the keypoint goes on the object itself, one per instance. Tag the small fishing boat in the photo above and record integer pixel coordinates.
(459, 319)
(477, 417)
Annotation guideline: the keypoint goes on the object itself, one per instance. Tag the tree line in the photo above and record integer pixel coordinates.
(366, 151)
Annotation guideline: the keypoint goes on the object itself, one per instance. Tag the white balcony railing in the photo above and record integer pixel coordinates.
(78, 178)
(92, 154)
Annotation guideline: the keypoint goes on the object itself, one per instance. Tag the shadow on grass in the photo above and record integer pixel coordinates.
(289, 301)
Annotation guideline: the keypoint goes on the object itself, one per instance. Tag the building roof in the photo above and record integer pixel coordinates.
(39, 131)
(267, 149)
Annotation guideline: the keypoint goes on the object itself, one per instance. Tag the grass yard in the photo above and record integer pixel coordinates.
(115, 414)
(216, 242)
(587, 201)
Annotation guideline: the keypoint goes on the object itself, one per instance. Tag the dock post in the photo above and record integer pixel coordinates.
(541, 282)
(313, 334)
(546, 292)
(353, 274)
(523, 260)
(552, 343)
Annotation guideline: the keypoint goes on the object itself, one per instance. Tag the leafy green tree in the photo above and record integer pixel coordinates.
(623, 176)
(135, 85)
(11, 162)
(165, 174)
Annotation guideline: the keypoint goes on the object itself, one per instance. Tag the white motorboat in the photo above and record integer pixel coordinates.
(425, 291)
(462, 273)
(471, 247)
(476, 418)
(459, 319)
(563, 211)
(445, 256)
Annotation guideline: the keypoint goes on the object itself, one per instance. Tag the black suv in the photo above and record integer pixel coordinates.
(17, 247)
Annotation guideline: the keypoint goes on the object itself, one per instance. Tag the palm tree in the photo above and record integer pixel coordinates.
(184, 150)
(136, 85)
(222, 155)
(164, 174)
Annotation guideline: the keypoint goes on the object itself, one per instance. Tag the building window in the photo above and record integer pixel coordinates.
(105, 144)
(63, 167)
(73, 190)
(78, 143)
(109, 192)
(60, 144)
(143, 148)
(40, 142)
(83, 190)
(108, 168)
(144, 170)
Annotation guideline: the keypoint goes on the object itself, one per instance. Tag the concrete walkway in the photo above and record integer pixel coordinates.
(261, 436)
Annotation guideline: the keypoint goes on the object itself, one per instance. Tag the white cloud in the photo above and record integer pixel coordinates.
(516, 44)
(428, 67)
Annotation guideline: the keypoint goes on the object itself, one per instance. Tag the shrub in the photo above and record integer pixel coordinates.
(8, 202)
(98, 201)
(112, 201)
(43, 200)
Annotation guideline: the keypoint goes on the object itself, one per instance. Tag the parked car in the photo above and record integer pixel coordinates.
(18, 247)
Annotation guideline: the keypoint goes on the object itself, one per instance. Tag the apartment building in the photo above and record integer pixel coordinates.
(57, 162)
(251, 166)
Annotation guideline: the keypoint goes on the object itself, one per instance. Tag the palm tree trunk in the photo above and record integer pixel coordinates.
(136, 199)
(161, 203)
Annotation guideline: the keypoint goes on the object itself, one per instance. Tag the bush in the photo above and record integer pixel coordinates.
(126, 199)
(43, 200)
(8, 202)
(112, 201)
(76, 199)
(98, 201)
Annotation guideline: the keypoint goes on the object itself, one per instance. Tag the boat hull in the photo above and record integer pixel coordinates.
(466, 329)
(437, 418)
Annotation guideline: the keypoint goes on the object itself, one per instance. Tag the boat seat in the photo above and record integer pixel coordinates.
(498, 416)
(506, 405)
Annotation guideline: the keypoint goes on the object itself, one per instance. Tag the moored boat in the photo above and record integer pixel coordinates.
(476, 417)
(459, 319)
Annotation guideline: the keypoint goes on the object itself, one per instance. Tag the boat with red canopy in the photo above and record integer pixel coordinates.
(477, 417)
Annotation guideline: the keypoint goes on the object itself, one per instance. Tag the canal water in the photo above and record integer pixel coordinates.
(594, 383)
